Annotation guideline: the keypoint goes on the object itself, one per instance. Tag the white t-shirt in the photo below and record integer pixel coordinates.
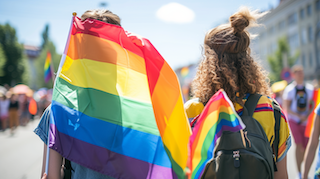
(289, 93)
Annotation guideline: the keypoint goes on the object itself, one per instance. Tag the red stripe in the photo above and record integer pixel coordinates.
(106, 31)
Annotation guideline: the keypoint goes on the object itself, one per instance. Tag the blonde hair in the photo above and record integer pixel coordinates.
(227, 63)
(102, 15)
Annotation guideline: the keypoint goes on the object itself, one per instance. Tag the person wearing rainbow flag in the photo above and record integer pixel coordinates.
(56, 161)
(228, 65)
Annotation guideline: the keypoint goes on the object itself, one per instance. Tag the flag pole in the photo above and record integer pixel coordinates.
(51, 116)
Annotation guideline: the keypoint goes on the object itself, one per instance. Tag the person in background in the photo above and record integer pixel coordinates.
(4, 110)
(312, 147)
(297, 98)
(24, 109)
(13, 113)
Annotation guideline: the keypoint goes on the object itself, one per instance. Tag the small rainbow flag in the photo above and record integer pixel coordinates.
(218, 115)
(316, 101)
(47, 68)
(117, 106)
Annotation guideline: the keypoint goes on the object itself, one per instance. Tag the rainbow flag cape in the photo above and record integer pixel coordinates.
(117, 106)
(47, 68)
(218, 115)
(316, 101)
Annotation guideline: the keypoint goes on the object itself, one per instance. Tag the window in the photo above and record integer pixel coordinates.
(310, 34)
(282, 24)
(271, 30)
(293, 18)
(310, 59)
(309, 10)
(303, 61)
(302, 14)
(304, 36)
(293, 40)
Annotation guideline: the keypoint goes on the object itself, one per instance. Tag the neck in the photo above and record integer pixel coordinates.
(300, 82)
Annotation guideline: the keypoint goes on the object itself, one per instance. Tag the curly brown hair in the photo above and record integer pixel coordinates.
(102, 15)
(227, 63)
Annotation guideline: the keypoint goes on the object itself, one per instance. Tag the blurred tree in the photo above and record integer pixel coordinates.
(2, 61)
(13, 67)
(277, 61)
(45, 36)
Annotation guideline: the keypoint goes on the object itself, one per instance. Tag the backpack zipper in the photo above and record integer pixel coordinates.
(236, 158)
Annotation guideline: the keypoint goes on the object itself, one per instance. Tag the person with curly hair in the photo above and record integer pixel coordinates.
(227, 64)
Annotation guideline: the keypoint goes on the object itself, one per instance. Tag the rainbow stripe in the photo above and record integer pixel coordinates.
(316, 101)
(117, 106)
(218, 115)
(47, 68)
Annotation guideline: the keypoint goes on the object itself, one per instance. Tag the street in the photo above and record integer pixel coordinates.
(21, 154)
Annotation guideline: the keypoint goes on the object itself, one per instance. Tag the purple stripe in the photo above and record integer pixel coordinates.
(227, 128)
(105, 161)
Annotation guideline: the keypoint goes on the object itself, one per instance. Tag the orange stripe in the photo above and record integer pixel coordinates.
(165, 96)
(84, 46)
(282, 148)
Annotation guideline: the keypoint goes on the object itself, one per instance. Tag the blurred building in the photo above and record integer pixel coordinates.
(299, 22)
(32, 52)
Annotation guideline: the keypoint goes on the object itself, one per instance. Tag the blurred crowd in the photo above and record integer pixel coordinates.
(19, 105)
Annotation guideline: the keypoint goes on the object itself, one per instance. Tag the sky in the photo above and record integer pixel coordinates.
(175, 28)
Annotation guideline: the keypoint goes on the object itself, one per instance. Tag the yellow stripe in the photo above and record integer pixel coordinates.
(110, 78)
(208, 123)
(175, 138)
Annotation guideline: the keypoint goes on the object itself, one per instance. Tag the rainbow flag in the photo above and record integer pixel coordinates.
(218, 115)
(316, 101)
(47, 68)
(117, 106)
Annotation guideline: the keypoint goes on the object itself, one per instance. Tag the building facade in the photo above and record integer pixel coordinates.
(299, 22)
(32, 52)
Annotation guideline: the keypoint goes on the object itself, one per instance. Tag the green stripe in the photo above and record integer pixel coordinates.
(176, 167)
(108, 107)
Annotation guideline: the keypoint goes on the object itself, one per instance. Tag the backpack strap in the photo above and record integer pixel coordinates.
(277, 117)
(67, 169)
(251, 103)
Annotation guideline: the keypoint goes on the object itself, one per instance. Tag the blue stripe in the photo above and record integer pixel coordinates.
(47, 71)
(126, 141)
(262, 108)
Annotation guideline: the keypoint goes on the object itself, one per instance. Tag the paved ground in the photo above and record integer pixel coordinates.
(21, 155)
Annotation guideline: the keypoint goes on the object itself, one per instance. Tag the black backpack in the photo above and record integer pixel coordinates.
(67, 169)
(232, 160)
(302, 99)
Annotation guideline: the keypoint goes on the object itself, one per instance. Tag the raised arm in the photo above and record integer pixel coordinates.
(311, 147)
(55, 164)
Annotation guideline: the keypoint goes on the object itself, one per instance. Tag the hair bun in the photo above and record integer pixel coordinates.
(244, 18)
(238, 22)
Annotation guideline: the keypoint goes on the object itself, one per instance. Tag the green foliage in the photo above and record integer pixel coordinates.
(276, 60)
(40, 60)
(12, 69)
(45, 36)
(2, 61)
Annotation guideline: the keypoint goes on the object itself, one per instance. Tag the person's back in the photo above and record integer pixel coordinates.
(227, 65)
